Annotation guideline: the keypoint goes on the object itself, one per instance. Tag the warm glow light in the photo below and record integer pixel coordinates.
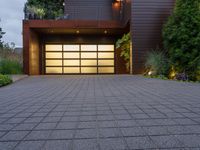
(116, 4)
(53, 62)
(71, 47)
(79, 58)
(106, 62)
(106, 55)
(106, 48)
(53, 69)
(71, 69)
(53, 47)
(106, 69)
(88, 62)
(71, 63)
(88, 47)
(71, 55)
(88, 55)
(172, 73)
(77, 32)
(53, 55)
(88, 69)
(150, 73)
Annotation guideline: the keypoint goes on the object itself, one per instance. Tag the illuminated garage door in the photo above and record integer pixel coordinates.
(79, 59)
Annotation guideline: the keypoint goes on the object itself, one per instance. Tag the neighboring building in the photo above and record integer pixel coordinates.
(84, 43)
(18, 50)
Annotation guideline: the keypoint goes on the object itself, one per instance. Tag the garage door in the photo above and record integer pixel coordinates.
(79, 59)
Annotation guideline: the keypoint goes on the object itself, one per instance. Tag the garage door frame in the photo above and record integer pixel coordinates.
(97, 66)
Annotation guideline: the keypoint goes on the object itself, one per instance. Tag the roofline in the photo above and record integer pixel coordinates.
(73, 24)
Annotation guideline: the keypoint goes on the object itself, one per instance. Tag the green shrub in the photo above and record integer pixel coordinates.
(5, 80)
(10, 67)
(181, 36)
(124, 45)
(157, 64)
(47, 9)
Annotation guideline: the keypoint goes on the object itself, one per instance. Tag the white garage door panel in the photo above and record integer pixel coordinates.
(71, 70)
(79, 59)
(71, 48)
(54, 70)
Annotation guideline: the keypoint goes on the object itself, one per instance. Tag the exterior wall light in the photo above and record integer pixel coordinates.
(105, 32)
(150, 73)
(77, 32)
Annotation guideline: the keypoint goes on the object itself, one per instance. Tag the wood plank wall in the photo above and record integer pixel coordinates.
(89, 9)
(147, 19)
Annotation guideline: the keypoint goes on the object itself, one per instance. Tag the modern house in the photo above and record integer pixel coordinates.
(84, 42)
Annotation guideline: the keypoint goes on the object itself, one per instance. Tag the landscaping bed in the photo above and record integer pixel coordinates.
(5, 80)
(179, 58)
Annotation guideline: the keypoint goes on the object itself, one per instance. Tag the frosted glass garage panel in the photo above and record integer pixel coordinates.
(105, 55)
(106, 48)
(53, 55)
(106, 62)
(54, 70)
(88, 69)
(88, 55)
(88, 47)
(71, 69)
(53, 62)
(71, 62)
(71, 47)
(88, 62)
(53, 47)
(71, 55)
(106, 70)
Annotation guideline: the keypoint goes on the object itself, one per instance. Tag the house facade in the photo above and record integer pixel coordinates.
(84, 41)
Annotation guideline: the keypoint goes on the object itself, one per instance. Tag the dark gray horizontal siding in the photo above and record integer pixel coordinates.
(89, 9)
(147, 19)
(126, 12)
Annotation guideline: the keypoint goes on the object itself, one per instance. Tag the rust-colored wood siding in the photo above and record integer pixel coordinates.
(26, 37)
(38, 32)
(89, 9)
(31, 57)
(147, 19)
(34, 54)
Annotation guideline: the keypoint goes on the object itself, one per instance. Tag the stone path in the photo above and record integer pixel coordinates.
(99, 113)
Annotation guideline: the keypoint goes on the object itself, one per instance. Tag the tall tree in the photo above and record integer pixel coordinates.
(52, 8)
(1, 36)
(181, 37)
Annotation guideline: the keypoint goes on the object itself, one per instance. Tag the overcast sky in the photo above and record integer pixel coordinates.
(11, 14)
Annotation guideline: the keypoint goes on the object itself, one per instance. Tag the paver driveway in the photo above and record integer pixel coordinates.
(99, 112)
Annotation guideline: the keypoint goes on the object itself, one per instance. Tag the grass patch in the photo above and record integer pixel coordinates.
(5, 80)
(10, 67)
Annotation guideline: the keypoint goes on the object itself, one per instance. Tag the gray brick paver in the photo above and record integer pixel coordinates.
(99, 112)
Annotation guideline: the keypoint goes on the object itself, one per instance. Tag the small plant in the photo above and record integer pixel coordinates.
(10, 67)
(39, 12)
(181, 77)
(5, 80)
(157, 64)
(46, 9)
(124, 45)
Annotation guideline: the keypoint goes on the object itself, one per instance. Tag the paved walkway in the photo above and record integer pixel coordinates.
(99, 113)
